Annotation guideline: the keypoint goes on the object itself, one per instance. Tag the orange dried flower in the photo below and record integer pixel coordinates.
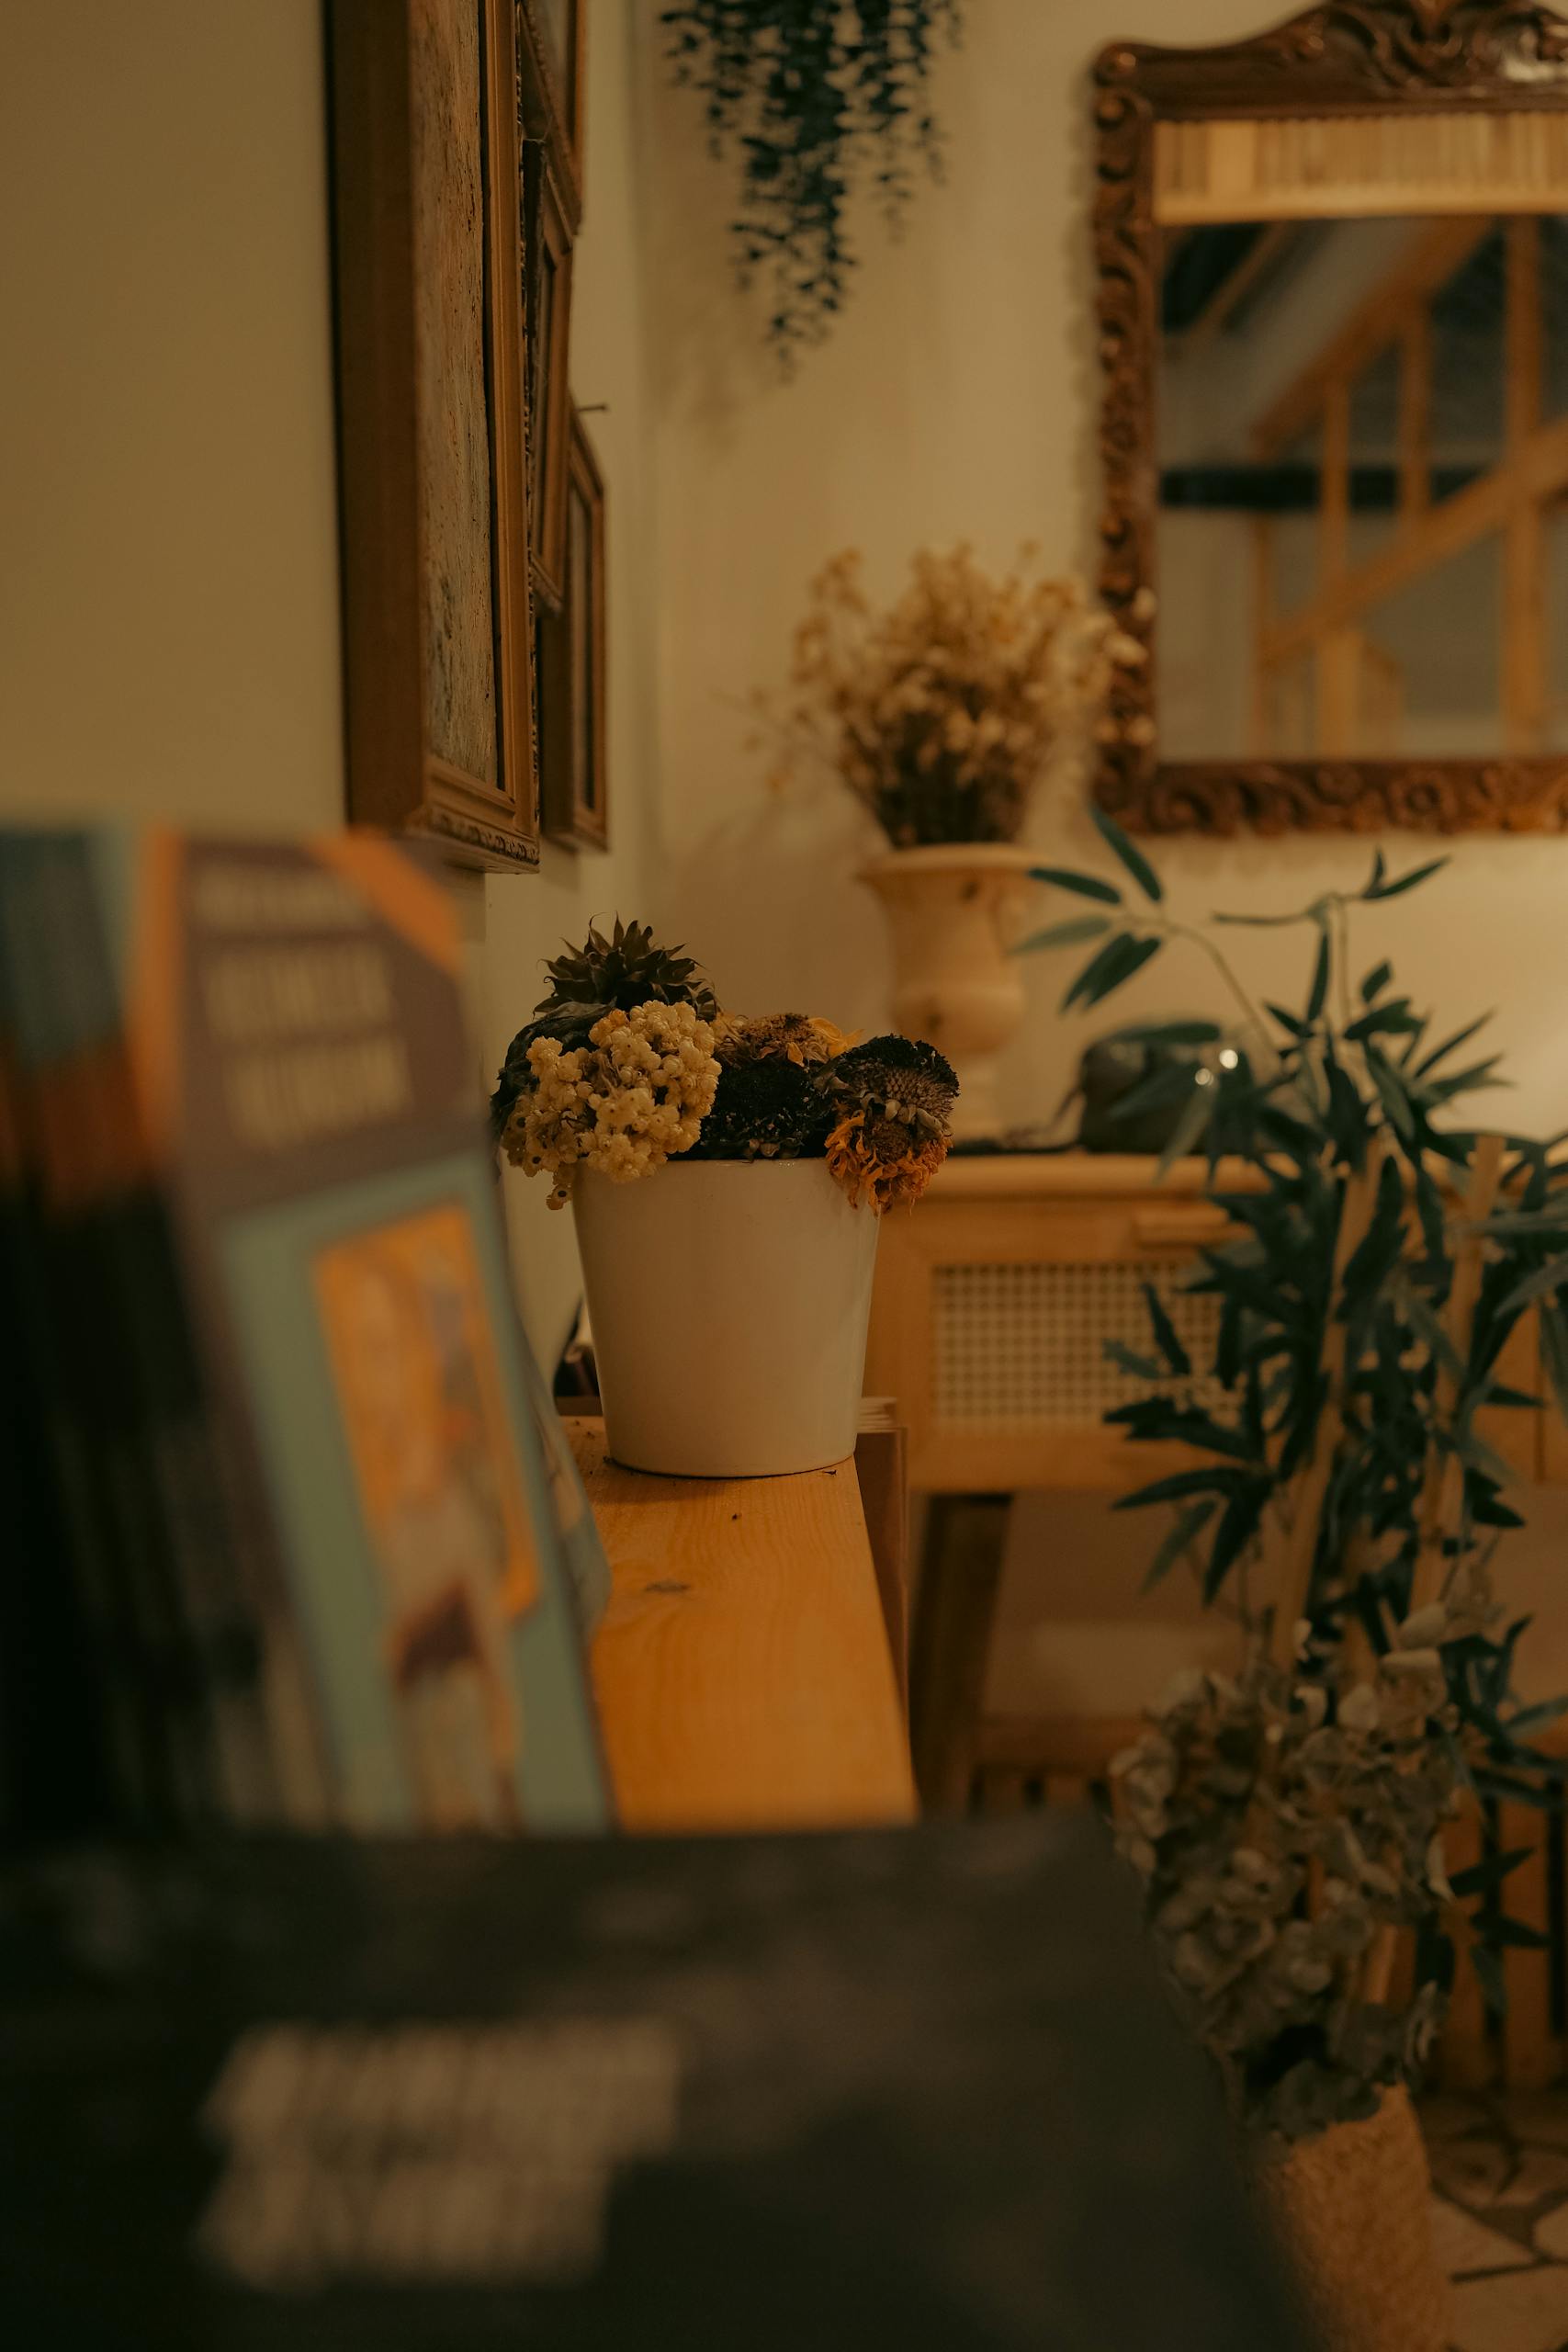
(881, 1160)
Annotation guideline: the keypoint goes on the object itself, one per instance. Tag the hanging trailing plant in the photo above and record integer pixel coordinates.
(814, 97)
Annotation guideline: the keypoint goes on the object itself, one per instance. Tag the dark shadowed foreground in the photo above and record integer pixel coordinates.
(915, 2088)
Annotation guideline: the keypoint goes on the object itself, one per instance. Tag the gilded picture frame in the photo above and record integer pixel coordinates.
(1355, 57)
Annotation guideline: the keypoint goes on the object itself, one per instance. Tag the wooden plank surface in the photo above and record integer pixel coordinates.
(1093, 1176)
(742, 1671)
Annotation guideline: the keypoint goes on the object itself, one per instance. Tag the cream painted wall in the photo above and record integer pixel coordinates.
(168, 529)
(168, 580)
(956, 398)
(168, 526)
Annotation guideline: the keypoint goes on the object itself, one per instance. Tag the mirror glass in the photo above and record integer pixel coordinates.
(1362, 453)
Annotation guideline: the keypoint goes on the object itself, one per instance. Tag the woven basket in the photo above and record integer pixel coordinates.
(1353, 2207)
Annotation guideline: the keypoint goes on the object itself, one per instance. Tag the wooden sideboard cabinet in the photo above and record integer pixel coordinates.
(997, 1293)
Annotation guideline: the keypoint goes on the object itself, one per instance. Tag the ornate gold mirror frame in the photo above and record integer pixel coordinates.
(1157, 111)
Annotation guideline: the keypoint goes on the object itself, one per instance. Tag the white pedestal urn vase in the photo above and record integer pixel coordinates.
(728, 1301)
(954, 909)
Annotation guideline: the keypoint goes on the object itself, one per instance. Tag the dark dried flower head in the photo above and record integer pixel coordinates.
(764, 1110)
(896, 1078)
(799, 1038)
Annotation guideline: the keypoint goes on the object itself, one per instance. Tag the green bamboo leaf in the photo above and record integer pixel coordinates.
(1189, 1427)
(1347, 1116)
(1319, 980)
(1549, 1710)
(1190, 1127)
(1395, 1102)
(1452, 1045)
(1516, 1934)
(1228, 1343)
(1544, 1224)
(1065, 934)
(1183, 1530)
(1554, 1326)
(1108, 958)
(1430, 1210)
(1485, 1460)
(1167, 1338)
(1466, 1081)
(1128, 1360)
(1379, 867)
(1378, 1252)
(1402, 882)
(1516, 1400)
(1292, 1021)
(1171, 1082)
(1491, 1871)
(1431, 1334)
(1238, 1525)
(1393, 1019)
(1486, 1510)
(1132, 858)
(1488, 1966)
(1376, 981)
(1413, 1044)
(1136, 954)
(1269, 922)
(1088, 886)
(1211, 1479)
(1167, 1033)
(1509, 1788)
(1543, 1281)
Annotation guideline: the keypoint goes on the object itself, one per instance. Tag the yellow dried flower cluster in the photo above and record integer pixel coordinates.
(623, 1104)
(942, 713)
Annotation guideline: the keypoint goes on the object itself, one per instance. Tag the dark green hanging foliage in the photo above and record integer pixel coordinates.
(818, 99)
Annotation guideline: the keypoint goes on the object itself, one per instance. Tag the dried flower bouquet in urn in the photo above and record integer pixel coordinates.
(629, 1061)
(942, 713)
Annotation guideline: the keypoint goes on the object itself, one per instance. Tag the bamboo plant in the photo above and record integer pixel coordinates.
(1344, 1499)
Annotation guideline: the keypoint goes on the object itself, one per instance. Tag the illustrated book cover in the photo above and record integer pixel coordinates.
(275, 1243)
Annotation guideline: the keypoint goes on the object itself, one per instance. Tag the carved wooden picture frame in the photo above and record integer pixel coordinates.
(1346, 57)
(432, 424)
(548, 265)
(572, 700)
(552, 39)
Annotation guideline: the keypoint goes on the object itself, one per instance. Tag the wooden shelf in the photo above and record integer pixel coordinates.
(742, 1671)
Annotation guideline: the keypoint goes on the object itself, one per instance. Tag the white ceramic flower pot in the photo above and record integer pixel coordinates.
(729, 1301)
(953, 909)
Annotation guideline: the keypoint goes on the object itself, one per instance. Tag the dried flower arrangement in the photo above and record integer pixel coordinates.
(628, 1061)
(942, 713)
(1344, 1500)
